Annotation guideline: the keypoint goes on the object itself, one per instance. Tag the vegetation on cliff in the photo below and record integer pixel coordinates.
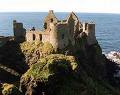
(9, 89)
(33, 51)
(50, 65)
(66, 77)
(47, 73)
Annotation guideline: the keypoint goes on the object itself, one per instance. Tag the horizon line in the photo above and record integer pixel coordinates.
(57, 12)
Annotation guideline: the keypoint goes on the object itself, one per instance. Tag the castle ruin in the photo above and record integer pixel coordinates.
(60, 33)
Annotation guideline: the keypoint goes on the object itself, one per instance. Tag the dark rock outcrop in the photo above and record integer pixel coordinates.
(76, 70)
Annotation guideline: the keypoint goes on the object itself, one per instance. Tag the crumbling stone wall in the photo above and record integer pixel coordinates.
(63, 35)
(45, 38)
(60, 33)
(54, 36)
(50, 18)
(37, 36)
(32, 35)
(19, 31)
(89, 29)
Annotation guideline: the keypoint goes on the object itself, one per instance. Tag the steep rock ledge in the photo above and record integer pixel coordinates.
(79, 70)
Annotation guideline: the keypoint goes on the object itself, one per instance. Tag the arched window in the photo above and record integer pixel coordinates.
(34, 36)
(40, 37)
(45, 25)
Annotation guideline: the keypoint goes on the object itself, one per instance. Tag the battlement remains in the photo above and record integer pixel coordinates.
(60, 33)
(89, 29)
(19, 31)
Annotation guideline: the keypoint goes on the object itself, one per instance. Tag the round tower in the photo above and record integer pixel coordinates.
(53, 36)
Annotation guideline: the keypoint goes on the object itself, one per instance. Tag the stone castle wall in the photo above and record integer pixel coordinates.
(19, 31)
(37, 36)
(48, 19)
(53, 36)
(60, 33)
(63, 36)
(89, 29)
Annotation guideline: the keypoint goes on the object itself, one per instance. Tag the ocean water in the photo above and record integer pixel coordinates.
(107, 25)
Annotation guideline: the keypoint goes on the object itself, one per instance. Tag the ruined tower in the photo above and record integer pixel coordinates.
(50, 27)
(19, 31)
(89, 29)
(53, 36)
(50, 18)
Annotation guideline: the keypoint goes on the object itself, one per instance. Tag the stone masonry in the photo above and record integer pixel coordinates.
(60, 33)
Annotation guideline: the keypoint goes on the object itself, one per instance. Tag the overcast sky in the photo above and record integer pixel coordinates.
(99, 6)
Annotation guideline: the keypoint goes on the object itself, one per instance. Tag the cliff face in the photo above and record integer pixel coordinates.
(60, 74)
(35, 50)
(74, 70)
(85, 72)
(51, 71)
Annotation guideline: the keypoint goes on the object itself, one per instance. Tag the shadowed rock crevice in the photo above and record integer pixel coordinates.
(12, 62)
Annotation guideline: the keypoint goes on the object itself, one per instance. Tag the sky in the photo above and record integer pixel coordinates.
(90, 6)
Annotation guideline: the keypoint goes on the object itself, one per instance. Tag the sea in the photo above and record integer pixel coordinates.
(107, 25)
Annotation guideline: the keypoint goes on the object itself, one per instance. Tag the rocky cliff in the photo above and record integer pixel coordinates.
(36, 69)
